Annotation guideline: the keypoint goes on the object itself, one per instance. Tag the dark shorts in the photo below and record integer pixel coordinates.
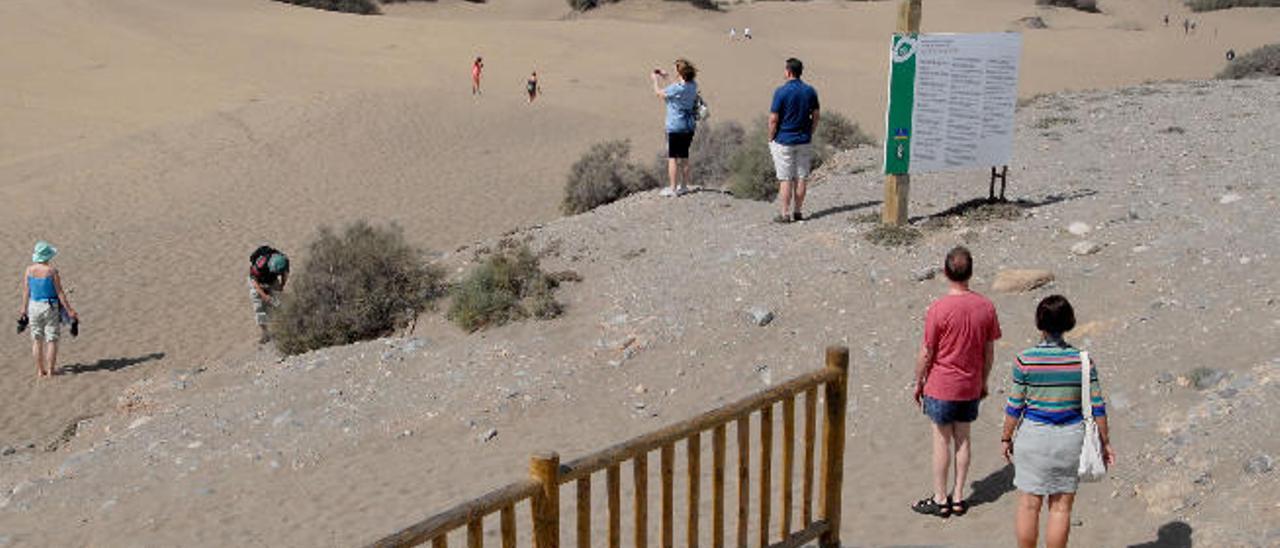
(944, 412)
(678, 144)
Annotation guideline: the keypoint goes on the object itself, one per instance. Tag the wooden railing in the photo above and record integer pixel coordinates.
(547, 474)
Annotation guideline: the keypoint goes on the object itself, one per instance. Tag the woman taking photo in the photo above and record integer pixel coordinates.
(681, 99)
(1045, 409)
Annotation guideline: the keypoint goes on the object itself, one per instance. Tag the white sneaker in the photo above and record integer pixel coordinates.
(682, 190)
(667, 193)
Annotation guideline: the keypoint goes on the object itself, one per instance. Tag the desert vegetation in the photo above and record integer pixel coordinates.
(507, 285)
(1261, 62)
(1211, 5)
(604, 174)
(362, 7)
(358, 284)
(751, 166)
(1090, 6)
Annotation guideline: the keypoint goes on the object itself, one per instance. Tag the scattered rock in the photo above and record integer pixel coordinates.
(1202, 378)
(926, 273)
(760, 316)
(140, 421)
(1086, 247)
(1079, 228)
(1018, 281)
(1260, 464)
(1033, 22)
(1229, 198)
(8, 451)
(488, 435)
(640, 389)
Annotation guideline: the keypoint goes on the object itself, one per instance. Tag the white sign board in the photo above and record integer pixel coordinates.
(951, 101)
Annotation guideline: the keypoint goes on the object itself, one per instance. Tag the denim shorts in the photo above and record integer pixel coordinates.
(944, 412)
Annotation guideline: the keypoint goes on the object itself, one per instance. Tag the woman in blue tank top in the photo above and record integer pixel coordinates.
(42, 304)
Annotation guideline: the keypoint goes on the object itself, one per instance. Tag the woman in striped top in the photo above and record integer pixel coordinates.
(1044, 408)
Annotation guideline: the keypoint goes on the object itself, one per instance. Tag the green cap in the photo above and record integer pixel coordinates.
(278, 263)
(44, 252)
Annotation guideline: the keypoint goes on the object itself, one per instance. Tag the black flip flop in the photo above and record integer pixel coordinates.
(959, 508)
(928, 507)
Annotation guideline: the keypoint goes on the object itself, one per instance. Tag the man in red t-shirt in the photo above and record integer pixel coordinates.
(960, 330)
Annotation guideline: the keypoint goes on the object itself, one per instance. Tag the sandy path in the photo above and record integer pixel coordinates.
(157, 142)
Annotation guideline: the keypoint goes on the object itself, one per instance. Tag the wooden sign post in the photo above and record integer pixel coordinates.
(898, 186)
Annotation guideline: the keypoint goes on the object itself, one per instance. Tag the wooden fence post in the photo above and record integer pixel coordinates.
(545, 469)
(833, 444)
(897, 187)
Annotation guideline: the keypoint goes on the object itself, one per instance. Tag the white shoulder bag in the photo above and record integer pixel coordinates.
(1092, 466)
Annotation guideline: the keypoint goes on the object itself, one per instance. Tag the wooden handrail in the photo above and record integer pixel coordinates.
(590, 464)
(542, 490)
(459, 515)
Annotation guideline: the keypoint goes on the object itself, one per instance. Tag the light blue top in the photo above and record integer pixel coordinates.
(42, 289)
(681, 97)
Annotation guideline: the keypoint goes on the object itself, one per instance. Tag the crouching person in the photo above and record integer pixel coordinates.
(268, 274)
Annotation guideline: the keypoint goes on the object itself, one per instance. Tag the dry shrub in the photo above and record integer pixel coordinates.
(1090, 6)
(360, 284)
(1211, 5)
(1259, 63)
(893, 236)
(508, 285)
(362, 7)
(604, 174)
(837, 131)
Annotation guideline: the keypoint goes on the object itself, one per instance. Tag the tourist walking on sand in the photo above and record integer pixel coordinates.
(960, 330)
(746, 33)
(43, 305)
(793, 116)
(268, 274)
(1045, 410)
(681, 99)
(477, 67)
(531, 86)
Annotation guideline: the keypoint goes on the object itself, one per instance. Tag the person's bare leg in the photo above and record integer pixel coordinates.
(1027, 521)
(673, 172)
(51, 356)
(1059, 526)
(961, 437)
(942, 435)
(799, 199)
(687, 177)
(37, 352)
(784, 197)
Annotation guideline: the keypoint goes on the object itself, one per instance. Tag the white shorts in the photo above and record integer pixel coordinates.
(46, 320)
(791, 161)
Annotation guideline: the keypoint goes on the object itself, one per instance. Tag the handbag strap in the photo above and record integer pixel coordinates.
(1086, 401)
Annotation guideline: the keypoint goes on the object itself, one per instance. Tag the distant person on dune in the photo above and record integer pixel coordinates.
(960, 333)
(793, 115)
(746, 33)
(681, 98)
(733, 33)
(268, 274)
(477, 67)
(531, 86)
(43, 305)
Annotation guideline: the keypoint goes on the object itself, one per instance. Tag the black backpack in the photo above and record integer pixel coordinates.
(258, 263)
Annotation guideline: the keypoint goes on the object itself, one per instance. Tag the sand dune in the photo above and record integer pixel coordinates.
(157, 142)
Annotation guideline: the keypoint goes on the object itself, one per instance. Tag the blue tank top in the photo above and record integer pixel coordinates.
(42, 289)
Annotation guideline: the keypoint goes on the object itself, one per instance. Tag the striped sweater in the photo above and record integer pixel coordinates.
(1046, 385)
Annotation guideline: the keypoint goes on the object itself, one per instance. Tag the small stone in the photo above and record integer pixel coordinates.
(639, 389)
(926, 273)
(1260, 464)
(639, 405)
(140, 421)
(1079, 229)
(1229, 198)
(8, 451)
(488, 435)
(760, 316)
(1086, 247)
(1018, 281)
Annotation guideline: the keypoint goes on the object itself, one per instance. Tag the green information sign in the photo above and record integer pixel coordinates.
(902, 90)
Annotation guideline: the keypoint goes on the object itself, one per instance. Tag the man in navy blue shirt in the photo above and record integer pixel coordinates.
(792, 119)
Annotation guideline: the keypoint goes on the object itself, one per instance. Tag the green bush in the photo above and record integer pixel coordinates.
(709, 155)
(360, 284)
(604, 174)
(1261, 62)
(840, 133)
(1211, 5)
(362, 7)
(509, 285)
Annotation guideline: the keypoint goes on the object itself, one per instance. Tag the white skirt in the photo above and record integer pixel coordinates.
(1046, 457)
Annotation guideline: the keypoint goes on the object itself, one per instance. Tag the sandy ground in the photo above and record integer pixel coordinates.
(343, 445)
(156, 143)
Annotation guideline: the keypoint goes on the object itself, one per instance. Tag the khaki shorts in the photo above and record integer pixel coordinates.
(261, 310)
(46, 320)
(791, 162)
